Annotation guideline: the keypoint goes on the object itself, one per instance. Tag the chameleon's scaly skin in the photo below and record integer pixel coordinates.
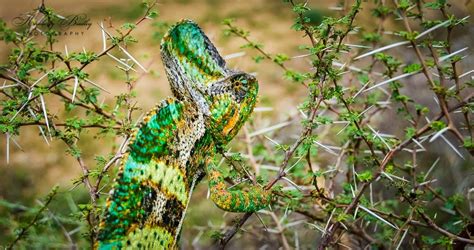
(175, 145)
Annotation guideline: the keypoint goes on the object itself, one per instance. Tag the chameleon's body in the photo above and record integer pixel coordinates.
(175, 145)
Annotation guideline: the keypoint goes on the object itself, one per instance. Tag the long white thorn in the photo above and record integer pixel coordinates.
(8, 86)
(388, 176)
(8, 147)
(300, 56)
(234, 55)
(338, 64)
(16, 143)
(327, 149)
(377, 216)
(343, 128)
(380, 137)
(317, 227)
(452, 147)
(397, 177)
(432, 29)
(438, 134)
(401, 239)
(97, 85)
(329, 221)
(365, 111)
(465, 74)
(292, 183)
(19, 82)
(356, 210)
(303, 114)
(446, 57)
(133, 59)
(391, 80)
(272, 141)
(297, 240)
(436, 99)
(361, 89)
(128, 67)
(358, 46)
(23, 106)
(269, 129)
(262, 109)
(427, 182)
(371, 195)
(43, 106)
(39, 127)
(419, 144)
(292, 166)
(104, 40)
(39, 79)
(393, 45)
(76, 83)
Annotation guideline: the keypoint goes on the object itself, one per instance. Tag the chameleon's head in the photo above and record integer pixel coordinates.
(231, 102)
(191, 61)
(198, 74)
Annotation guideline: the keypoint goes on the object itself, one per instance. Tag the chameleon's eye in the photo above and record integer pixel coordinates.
(242, 85)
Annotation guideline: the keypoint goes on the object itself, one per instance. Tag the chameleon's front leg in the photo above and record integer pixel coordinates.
(252, 200)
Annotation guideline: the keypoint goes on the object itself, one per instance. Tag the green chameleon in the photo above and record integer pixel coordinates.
(174, 147)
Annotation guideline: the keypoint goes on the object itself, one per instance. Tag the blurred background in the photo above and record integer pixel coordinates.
(36, 167)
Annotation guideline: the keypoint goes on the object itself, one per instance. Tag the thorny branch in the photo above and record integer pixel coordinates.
(44, 119)
(43, 207)
(316, 102)
(389, 153)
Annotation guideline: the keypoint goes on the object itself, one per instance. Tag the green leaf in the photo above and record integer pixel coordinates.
(152, 14)
(365, 176)
(128, 26)
(438, 125)
(280, 58)
(57, 75)
(410, 132)
(468, 143)
(411, 68)
(404, 4)
(300, 8)
(258, 58)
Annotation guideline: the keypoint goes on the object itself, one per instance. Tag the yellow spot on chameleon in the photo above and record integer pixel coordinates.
(228, 200)
(170, 177)
(247, 200)
(150, 238)
(230, 125)
(237, 202)
(214, 175)
(220, 187)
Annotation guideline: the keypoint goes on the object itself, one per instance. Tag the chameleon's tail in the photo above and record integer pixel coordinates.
(151, 191)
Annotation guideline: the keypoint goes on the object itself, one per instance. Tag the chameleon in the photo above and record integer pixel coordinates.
(175, 145)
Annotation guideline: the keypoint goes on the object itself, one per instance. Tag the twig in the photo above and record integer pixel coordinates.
(24, 230)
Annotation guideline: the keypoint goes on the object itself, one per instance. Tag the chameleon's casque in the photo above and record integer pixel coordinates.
(174, 147)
